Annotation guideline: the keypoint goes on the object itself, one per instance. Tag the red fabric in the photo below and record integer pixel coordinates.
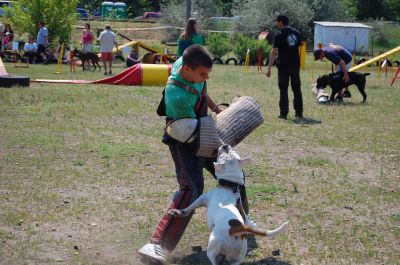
(170, 229)
(62, 81)
(130, 76)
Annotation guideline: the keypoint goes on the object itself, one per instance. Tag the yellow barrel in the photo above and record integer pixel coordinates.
(155, 74)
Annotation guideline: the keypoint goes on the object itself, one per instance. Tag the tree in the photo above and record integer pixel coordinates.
(259, 15)
(174, 14)
(59, 16)
(392, 10)
(327, 10)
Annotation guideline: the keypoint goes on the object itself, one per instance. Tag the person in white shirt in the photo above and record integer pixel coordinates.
(30, 49)
(107, 42)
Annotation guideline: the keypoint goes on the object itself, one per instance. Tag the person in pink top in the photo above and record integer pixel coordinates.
(87, 39)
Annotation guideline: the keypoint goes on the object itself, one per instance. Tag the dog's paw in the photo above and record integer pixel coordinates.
(175, 213)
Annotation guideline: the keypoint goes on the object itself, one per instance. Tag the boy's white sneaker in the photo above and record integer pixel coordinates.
(153, 252)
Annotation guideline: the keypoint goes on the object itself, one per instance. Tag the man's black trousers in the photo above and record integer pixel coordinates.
(283, 82)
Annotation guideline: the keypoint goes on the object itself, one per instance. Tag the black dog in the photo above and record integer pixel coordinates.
(88, 56)
(336, 82)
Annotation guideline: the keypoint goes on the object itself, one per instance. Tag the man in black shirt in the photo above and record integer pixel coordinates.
(286, 45)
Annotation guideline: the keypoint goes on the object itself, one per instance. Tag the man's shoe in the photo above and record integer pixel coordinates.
(283, 117)
(105, 73)
(346, 94)
(299, 116)
(110, 73)
(153, 252)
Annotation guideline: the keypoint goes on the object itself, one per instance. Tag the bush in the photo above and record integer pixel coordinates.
(218, 44)
(242, 43)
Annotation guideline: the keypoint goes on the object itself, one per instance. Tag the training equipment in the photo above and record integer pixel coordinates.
(396, 76)
(230, 126)
(137, 75)
(7, 80)
(182, 130)
(237, 121)
(144, 46)
(323, 100)
(209, 140)
(60, 59)
(375, 59)
(322, 96)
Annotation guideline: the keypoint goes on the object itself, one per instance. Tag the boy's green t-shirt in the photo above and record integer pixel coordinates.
(180, 103)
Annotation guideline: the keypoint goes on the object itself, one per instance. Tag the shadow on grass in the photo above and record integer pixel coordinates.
(268, 261)
(347, 103)
(200, 258)
(305, 121)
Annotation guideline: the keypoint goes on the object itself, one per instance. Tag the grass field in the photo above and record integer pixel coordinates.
(84, 177)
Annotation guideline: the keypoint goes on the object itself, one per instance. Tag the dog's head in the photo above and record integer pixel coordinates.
(322, 81)
(229, 165)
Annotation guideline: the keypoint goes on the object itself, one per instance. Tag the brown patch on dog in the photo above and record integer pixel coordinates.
(242, 230)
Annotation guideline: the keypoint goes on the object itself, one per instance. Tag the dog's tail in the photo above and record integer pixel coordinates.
(239, 229)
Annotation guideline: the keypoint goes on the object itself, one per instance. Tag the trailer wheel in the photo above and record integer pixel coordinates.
(361, 61)
(217, 61)
(235, 62)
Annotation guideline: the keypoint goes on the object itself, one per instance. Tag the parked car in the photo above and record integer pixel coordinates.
(152, 15)
(82, 13)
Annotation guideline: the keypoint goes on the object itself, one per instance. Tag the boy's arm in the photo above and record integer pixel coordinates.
(212, 105)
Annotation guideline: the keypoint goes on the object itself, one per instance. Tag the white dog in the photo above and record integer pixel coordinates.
(228, 227)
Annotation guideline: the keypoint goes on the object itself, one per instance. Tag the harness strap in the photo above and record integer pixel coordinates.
(234, 186)
(189, 89)
(182, 85)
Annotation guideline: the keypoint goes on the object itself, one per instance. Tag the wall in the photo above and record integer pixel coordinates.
(349, 38)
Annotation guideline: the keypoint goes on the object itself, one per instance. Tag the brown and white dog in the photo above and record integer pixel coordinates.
(229, 229)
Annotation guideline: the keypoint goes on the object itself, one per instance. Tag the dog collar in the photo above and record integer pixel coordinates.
(232, 185)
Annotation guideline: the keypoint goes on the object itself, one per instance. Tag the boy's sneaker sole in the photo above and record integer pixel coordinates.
(153, 253)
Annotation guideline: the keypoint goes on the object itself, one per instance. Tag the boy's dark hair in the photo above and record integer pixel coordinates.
(41, 23)
(195, 56)
(108, 27)
(284, 19)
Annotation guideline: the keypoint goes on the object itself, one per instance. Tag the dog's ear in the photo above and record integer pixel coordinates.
(246, 161)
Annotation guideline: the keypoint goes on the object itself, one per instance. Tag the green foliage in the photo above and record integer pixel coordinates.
(259, 15)
(383, 34)
(174, 14)
(327, 10)
(59, 17)
(218, 44)
(242, 43)
(371, 9)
